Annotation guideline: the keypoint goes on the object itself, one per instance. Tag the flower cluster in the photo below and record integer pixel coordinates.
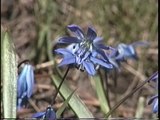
(87, 52)
(84, 51)
(25, 85)
(49, 114)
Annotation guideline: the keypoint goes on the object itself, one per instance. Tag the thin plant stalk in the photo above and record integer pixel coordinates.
(106, 82)
(54, 97)
(101, 93)
(130, 94)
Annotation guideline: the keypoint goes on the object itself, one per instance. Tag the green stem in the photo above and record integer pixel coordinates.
(54, 97)
(101, 94)
(131, 93)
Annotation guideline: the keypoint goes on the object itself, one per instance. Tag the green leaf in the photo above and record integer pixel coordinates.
(65, 104)
(76, 104)
(9, 76)
(101, 94)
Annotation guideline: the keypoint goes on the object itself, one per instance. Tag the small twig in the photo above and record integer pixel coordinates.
(127, 96)
(34, 105)
(134, 72)
(44, 65)
(133, 84)
(43, 86)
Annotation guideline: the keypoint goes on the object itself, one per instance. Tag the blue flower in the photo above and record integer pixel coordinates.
(154, 101)
(155, 78)
(49, 114)
(85, 52)
(124, 52)
(25, 85)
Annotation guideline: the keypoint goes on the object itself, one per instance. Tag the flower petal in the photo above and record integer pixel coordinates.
(73, 48)
(113, 62)
(101, 46)
(68, 57)
(67, 61)
(100, 62)
(102, 53)
(89, 67)
(77, 30)
(50, 114)
(126, 51)
(155, 106)
(97, 40)
(22, 86)
(64, 52)
(30, 81)
(38, 115)
(152, 99)
(155, 78)
(91, 34)
(69, 40)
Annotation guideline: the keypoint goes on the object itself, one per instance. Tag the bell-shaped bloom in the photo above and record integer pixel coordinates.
(85, 51)
(25, 85)
(154, 101)
(124, 52)
(49, 114)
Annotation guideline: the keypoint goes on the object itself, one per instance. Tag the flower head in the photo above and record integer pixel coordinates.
(49, 114)
(154, 101)
(25, 85)
(124, 52)
(85, 51)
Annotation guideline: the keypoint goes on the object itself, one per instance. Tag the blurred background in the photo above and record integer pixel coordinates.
(35, 26)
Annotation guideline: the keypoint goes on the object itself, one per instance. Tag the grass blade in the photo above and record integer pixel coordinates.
(65, 104)
(9, 76)
(101, 94)
(76, 104)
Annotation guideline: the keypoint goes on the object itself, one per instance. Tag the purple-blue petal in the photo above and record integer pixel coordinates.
(38, 115)
(64, 52)
(97, 40)
(113, 62)
(73, 48)
(102, 53)
(76, 30)
(155, 106)
(22, 86)
(30, 81)
(126, 51)
(22, 101)
(154, 101)
(50, 114)
(67, 61)
(100, 62)
(155, 78)
(68, 57)
(102, 46)
(91, 34)
(89, 67)
(69, 40)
